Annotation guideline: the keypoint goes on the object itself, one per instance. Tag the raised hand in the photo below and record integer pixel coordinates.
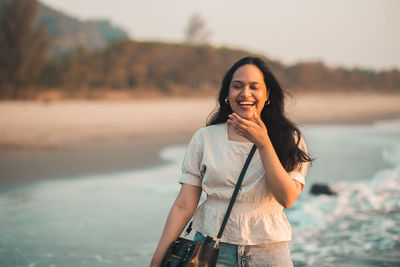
(255, 132)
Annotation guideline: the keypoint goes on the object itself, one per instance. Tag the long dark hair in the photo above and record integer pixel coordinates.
(283, 133)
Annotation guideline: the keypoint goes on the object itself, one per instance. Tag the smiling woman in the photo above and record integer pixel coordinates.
(283, 134)
(250, 114)
(247, 93)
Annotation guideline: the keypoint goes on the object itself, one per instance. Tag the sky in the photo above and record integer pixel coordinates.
(341, 33)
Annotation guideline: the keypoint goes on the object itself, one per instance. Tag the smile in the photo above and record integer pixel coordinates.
(245, 103)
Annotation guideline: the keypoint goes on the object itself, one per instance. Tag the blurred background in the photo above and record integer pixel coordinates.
(98, 100)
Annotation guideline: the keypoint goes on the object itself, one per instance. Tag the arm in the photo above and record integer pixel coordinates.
(181, 212)
(283, 187)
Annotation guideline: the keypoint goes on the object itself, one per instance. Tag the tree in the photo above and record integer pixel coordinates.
(196, 32)
(23, 47)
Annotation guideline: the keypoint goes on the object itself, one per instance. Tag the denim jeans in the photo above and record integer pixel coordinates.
(274, 254)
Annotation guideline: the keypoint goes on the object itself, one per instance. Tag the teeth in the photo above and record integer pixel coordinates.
(246, 103)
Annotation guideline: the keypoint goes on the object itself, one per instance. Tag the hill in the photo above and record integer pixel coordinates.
(69, 32)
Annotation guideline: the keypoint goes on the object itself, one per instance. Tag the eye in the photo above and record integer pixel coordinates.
(236, 86)
(255, 87)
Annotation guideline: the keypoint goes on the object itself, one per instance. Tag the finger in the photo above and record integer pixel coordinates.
(238, 130)
(241, 120)
(240, 127)
(234, 120)
(237, 127)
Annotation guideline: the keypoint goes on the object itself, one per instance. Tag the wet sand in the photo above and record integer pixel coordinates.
(41, 140)
(20, 166)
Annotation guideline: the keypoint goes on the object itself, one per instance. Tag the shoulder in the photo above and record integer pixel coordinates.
(211, 131)
(216, 128)
(208, 136)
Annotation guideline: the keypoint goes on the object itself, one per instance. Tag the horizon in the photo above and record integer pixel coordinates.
(364, 42)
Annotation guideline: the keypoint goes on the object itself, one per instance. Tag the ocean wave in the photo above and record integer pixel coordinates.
(364, 216)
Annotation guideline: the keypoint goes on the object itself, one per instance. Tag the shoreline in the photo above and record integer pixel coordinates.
(74, 138)
(26, 166)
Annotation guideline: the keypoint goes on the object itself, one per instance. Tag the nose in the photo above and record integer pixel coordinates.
(245, 91)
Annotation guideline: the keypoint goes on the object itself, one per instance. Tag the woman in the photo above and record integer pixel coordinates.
(251, 111)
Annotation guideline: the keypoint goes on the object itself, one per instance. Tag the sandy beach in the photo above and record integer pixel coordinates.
(69, 123)
(40, 140)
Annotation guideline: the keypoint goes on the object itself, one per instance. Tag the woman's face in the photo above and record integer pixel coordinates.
(247, 91)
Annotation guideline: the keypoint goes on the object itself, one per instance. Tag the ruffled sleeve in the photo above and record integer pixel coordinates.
(299, 173)
(192, 169)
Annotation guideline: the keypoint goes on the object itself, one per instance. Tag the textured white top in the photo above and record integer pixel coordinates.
(214, 162)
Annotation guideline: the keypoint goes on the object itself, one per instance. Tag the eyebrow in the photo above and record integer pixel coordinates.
(239, 81)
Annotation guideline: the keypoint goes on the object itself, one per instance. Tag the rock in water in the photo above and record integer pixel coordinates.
(321, 189)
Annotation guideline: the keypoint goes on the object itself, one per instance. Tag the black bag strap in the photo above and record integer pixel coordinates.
(236, 191)
(233, 198)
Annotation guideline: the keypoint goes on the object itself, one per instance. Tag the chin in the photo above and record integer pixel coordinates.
(246, 116)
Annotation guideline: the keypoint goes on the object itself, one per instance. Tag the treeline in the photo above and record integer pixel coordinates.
(317, 76)
(184, 69)
(169, 69)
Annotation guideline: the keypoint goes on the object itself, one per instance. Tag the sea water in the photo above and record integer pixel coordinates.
(117, 219)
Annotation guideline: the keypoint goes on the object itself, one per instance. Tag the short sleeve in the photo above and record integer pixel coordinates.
(192, 172)
(299, 173)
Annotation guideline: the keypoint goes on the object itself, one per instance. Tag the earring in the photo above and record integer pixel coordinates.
(226, 100)
(267, 102)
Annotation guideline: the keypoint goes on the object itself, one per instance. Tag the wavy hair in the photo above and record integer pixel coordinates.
(283, 133)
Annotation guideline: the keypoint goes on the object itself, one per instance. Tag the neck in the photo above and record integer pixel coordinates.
(234, 136)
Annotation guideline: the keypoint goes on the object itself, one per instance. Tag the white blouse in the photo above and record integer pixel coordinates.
(213, 162)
